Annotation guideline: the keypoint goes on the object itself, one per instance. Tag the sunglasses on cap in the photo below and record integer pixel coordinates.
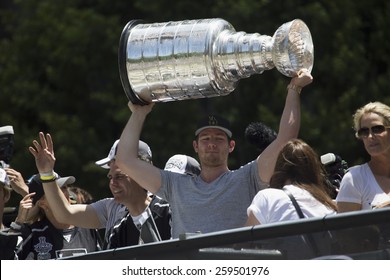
(376, 129)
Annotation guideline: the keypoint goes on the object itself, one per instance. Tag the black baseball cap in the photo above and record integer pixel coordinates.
(35, 185)
(213, 121)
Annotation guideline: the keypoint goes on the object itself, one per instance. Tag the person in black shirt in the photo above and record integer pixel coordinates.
(43, 237)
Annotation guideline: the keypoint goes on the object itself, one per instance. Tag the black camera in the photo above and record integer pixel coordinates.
(335, 168)
(6, 145)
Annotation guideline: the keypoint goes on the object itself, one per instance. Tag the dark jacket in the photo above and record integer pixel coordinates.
(156, 228)
(41, 240)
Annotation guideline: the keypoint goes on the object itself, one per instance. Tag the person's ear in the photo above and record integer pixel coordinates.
(195, 145)
(232, 145)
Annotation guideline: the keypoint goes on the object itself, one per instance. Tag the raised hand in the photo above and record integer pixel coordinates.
(303, 78)
(43, 153)
(145, 109)
(26, 209)
(17, 181)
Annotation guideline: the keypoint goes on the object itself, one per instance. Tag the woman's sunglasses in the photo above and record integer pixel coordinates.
(365, 131)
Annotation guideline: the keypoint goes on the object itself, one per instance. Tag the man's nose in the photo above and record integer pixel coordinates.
(211, 144)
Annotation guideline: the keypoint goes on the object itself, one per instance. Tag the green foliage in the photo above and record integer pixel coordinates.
(59, 74)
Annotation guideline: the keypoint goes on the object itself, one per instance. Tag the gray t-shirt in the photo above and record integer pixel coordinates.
(208, 207)
(109, 212)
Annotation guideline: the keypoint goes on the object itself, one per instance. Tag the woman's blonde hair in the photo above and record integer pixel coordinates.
(373, 107)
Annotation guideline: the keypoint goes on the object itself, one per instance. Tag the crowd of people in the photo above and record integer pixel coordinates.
(287, 181)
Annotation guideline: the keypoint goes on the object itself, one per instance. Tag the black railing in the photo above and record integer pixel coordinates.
(243, 242)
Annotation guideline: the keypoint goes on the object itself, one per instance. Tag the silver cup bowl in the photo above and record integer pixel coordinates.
(191, 59)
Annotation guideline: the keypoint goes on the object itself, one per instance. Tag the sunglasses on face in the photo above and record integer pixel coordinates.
(376, 129)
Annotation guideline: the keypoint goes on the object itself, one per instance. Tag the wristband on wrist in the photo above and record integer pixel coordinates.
(295, 88)
(48, 177)
(46, 174)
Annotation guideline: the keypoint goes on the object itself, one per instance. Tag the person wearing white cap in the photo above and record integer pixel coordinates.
(218, 198)
(183, 164)
(130, 217)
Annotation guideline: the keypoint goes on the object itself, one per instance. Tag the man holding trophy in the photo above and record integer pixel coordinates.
(216, 199)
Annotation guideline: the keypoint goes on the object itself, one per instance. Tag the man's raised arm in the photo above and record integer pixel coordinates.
(145, 174)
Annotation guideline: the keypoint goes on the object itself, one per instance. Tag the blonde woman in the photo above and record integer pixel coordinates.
(367, 186)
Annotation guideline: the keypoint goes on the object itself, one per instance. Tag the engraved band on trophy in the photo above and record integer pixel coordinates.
(192, 59)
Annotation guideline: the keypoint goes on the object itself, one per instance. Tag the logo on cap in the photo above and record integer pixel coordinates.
(213, 120)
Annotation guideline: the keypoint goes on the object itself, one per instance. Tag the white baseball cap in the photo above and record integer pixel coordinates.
(183, 164)
(144, 152)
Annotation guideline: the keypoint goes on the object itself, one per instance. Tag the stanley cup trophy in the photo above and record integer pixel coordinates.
(192, 59)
